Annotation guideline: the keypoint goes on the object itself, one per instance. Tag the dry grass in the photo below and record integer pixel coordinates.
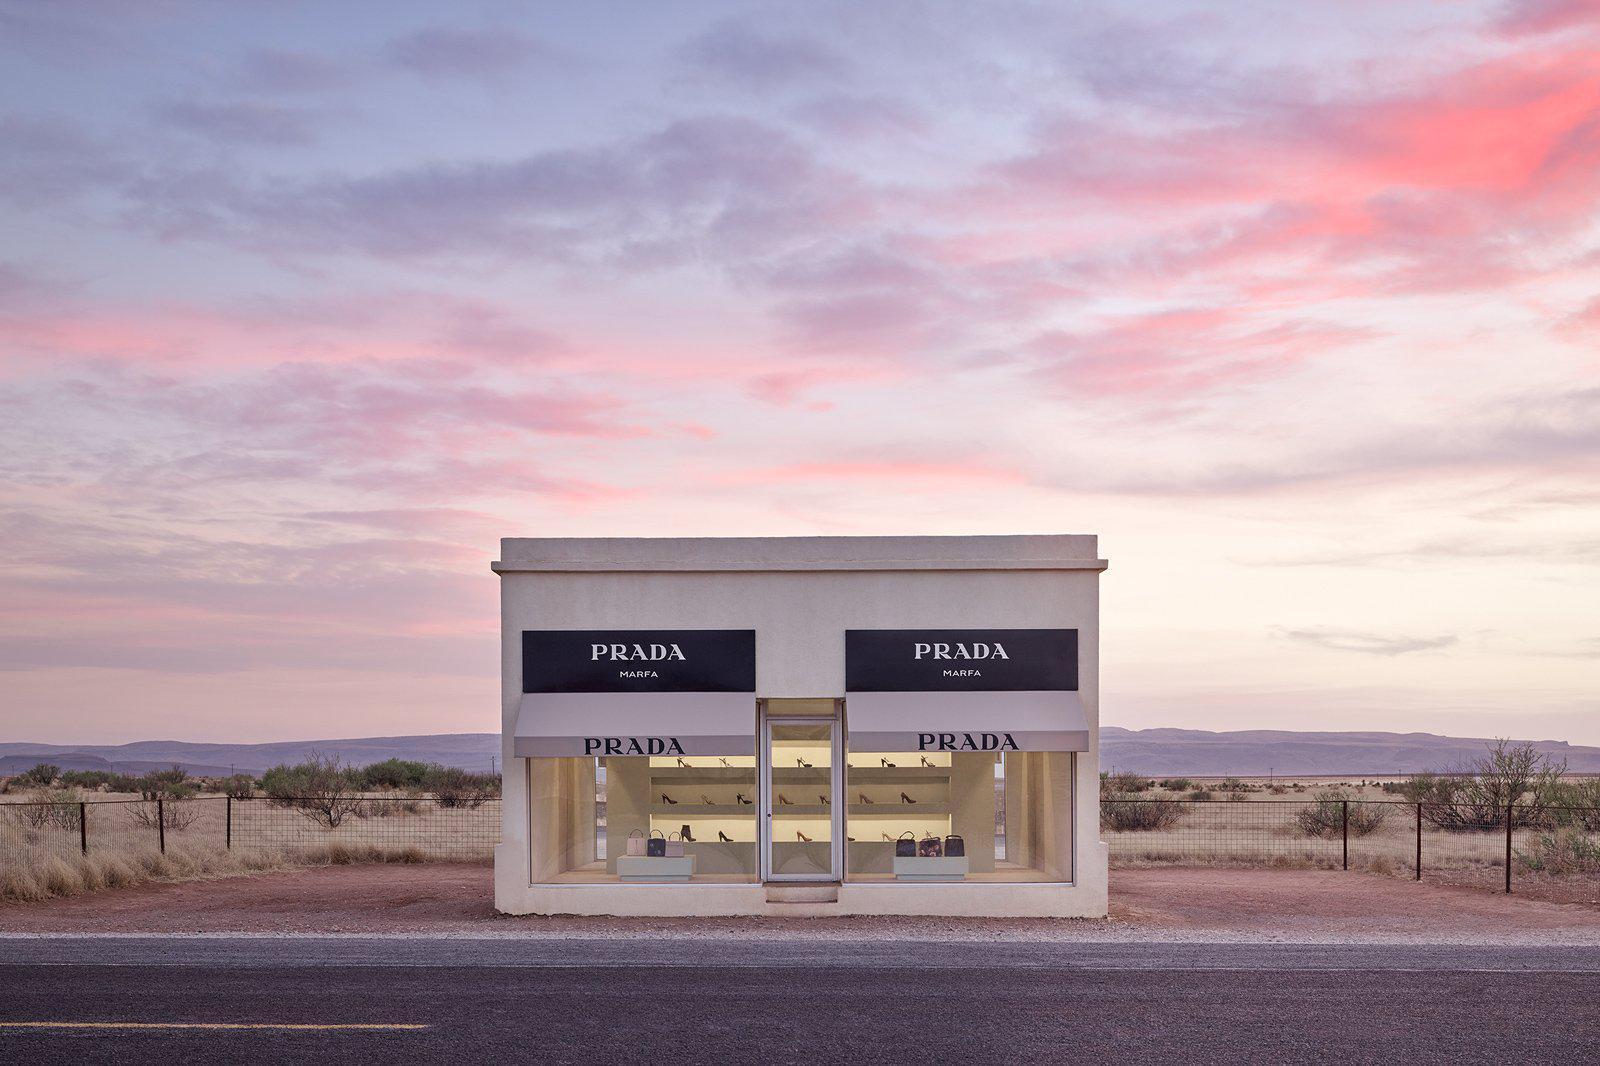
(37, 874)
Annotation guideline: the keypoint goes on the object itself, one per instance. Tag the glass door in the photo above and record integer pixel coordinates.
(800, 759)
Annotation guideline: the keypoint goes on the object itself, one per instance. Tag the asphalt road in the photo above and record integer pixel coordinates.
(463, 1001)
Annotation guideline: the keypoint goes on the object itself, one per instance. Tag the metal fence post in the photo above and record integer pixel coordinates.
(230, 823)
(161, 824)
(83, 827)
(1344, 831)
(1509, 807)
(1419, 842)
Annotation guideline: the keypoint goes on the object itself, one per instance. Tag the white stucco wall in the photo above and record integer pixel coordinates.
(800, 594)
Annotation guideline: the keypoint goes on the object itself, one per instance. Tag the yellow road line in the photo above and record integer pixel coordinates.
(209, 1025)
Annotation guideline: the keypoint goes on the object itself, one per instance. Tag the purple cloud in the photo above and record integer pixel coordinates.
(735, 53)
(241, 122)
(277, 70)
(445, 52)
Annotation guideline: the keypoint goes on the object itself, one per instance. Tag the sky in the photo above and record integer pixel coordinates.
(303, 306)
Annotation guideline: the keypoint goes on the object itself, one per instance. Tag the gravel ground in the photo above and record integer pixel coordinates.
(1153, 905)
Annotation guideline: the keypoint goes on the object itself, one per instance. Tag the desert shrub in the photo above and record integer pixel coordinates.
(1126, 782)
(1576, 803)
(321, 788)
(175, 791)
(1127, 816)
(99, 780)
(43, 775)
(1563, 853)
(395, 774)
(1394, 788)
(1475, 797)
(1237, 797)
(239, 786)
(1232, 784)
(1278, 790)
(1325, 817)
(409, 802)
(49, 808)
(1177, 784)
(1202, 795)
(454, 787)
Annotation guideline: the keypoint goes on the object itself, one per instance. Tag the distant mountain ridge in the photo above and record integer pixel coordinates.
(1166, 752)
(1254, 752)
(470, 751)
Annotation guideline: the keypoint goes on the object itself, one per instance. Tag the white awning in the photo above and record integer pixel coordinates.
(966, 721)
(572, 724)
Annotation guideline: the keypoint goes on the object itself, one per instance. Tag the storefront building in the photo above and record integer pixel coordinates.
(801, 725)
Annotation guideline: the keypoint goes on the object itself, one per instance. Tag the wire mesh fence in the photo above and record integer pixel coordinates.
(1549, 853)
(406, 828)
(418, 828)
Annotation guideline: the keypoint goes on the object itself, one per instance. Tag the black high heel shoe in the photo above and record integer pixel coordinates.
(863, 797)
(706, 800)
(804, 839)
(688, 838)
(803, 764)
(668, 799)
(906, 799)
(887, 763)
(725, 762)
(925, 761)
(740, 797)
(724, 838)
(685, 765)
(825, 800)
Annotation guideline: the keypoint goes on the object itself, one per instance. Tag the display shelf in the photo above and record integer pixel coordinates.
(692, 811)
(821, 774)
(811, 809)
(898, 810)
(704, 774)
(867, 775)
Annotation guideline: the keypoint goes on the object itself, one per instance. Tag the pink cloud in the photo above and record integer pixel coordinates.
(1183, 353)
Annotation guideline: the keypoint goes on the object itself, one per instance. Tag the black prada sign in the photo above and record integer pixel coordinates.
(638, 660)
(960, 660)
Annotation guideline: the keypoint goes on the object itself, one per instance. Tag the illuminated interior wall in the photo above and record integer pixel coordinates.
(562, 810)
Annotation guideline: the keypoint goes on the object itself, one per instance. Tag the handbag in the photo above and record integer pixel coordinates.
(636, 842)
(906, 846)
(674, 846)
(656, 845)
(930, 847)
(954, 846)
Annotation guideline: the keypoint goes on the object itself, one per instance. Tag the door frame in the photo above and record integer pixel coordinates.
(766, 794)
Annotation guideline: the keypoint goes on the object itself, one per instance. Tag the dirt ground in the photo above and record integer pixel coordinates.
(1189, 904)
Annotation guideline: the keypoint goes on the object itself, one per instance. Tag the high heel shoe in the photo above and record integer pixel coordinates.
(906, 799)
(825, 801)
(802, 836)
(685, 765)
(889, 838)
(863, 798)
(925, 761)
(668, 799)
(739, 796)
(803, 764)
(706, 800)
(725, 762)
(887, 763)
(723, 838)
(784, 800)
(688, 838)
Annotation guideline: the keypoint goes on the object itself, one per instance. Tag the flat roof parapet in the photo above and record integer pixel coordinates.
(1065, 551)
